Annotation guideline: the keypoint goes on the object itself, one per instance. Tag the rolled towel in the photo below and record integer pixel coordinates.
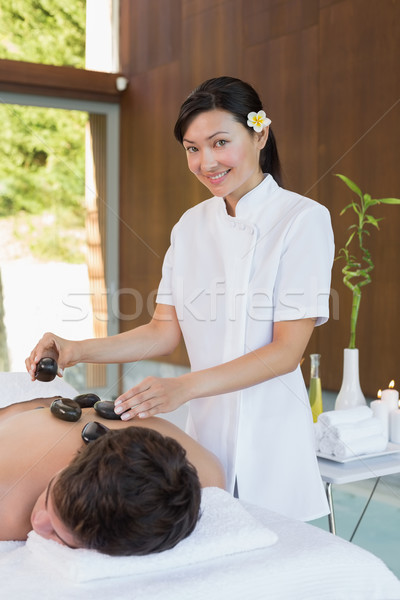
(318, 434)
(350, 432)
(350, 415)
(326, 445)
(369, 445)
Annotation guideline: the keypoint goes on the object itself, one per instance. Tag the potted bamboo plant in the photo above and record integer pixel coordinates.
(356, 274)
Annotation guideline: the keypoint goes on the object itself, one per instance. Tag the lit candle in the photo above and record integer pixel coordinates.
(381, 412)
(391, 397)
(394, 426)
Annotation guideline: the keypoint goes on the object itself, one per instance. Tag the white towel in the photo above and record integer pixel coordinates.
(369, 445)
(18, 387)
(318, 431)
(350, 432)
(351, 415)
(303, 562)
(225, 528)
(325, 446)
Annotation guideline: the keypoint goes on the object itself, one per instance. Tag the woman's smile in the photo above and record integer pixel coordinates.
(219, 177)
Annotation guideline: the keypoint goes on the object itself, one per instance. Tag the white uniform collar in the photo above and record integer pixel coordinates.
(249, 205)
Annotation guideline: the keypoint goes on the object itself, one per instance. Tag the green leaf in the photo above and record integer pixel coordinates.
(350, 238)
(368, 201)
(350, 184)
(389, 200)
(351, 205)
(372, 220)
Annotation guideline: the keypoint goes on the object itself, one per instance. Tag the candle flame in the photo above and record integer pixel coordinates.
(379, 394)
(391, 384)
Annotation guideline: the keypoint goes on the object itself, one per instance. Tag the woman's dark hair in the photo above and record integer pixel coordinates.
(130, 492)
(237, 97)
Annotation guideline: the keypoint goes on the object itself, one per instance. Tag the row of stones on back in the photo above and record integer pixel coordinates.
(71, 409)
(68, 409)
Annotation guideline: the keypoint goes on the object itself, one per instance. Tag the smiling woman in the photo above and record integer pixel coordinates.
(224, 156)
(239, 285)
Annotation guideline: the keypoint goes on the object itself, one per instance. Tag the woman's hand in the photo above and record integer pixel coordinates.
(152, 396)
(63, 351)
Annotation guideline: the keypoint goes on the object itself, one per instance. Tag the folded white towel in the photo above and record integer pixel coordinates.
(350, 432)
(225, 528)
(351, 415)
(325, 446)
(345, 440)
(7, 546)
(318, 431)
(368, 445)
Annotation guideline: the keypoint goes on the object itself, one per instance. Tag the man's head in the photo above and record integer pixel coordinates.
(131, 492)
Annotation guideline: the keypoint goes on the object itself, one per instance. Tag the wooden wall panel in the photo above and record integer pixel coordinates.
(359, 112)
(206, 53)
(326, 70)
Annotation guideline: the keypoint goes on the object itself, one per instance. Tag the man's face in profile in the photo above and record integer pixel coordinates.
(46, 522)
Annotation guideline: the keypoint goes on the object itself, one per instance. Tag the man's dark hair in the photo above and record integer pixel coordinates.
(130, 492)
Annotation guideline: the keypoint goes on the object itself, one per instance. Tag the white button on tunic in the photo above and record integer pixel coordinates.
(230, 279)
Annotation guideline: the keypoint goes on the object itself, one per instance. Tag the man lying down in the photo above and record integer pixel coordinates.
(133, 491)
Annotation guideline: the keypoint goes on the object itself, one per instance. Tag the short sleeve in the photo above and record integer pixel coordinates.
(302, 286)
(165, 290)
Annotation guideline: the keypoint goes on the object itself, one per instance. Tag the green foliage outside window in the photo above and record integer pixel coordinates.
(42, 150)
(42, 158)
(43, 31)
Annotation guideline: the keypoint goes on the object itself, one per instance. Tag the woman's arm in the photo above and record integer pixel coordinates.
(159, 337)
(157, 395)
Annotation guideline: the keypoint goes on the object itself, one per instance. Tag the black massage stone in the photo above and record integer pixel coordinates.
(92, 431)
(46, 369)
(66, 409)
(87, 400)
(105, 408)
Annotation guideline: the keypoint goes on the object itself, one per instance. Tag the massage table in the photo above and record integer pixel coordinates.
(237, 551)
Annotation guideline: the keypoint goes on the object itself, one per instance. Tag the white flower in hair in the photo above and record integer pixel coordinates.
(258, 120)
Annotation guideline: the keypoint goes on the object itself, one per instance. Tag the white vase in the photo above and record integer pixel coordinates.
(350, 394)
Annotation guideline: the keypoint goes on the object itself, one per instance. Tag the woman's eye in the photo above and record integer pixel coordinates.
(220, 143)
(191, 149)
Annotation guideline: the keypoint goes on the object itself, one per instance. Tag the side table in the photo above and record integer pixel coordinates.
(361, 468)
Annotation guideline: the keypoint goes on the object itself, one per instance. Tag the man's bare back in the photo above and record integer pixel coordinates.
(34, 445)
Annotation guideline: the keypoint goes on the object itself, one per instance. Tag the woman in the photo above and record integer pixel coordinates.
(245, 280)
(35, 446)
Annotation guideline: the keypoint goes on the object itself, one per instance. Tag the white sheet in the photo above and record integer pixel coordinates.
(305, 563)
(225, 528)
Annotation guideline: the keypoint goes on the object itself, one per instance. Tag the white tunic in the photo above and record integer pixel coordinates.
(230, 279)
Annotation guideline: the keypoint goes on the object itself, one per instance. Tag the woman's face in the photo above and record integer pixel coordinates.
(47, 523)
(223, 154)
